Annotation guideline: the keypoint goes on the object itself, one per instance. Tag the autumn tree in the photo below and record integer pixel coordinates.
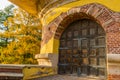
(25, 36)
(4, 17)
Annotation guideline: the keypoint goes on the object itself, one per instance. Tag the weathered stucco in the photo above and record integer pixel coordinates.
(28, 5)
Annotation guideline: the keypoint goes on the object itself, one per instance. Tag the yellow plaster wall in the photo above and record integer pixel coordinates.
(48, 17)
(53, 45)
(32, 72)
(28, 5)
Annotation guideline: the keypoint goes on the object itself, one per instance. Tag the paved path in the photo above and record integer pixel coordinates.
(67, 77)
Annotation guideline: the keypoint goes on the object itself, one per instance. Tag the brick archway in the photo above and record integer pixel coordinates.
(95, 11)
(108, 19)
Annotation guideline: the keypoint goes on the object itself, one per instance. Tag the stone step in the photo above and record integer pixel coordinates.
(11, 72)
(10, 78)
(24, 72)
(69, 77)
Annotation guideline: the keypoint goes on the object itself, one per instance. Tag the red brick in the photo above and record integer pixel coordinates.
(85, 8)
(114, 77)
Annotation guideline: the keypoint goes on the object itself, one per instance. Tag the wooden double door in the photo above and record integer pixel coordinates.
(82, 49)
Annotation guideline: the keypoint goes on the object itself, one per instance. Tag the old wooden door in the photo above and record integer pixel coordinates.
(82, 49)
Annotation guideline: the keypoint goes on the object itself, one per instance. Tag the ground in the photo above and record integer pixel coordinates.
(68, 77)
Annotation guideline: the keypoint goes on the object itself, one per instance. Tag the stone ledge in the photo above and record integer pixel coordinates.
(41, 56)
(47, 59)
(11, 74)
(45, 56)
(113, 58)
(113, 68)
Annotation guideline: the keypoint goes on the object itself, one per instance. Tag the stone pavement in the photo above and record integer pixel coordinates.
(68, 77)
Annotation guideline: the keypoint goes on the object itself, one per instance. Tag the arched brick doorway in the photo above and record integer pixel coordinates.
(101, 16)
(82, 49)
(108, 20)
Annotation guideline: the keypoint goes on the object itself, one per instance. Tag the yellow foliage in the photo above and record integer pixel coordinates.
(10, 19)
(24, 34)
(5, 23)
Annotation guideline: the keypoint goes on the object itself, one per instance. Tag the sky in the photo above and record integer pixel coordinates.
(4, 3)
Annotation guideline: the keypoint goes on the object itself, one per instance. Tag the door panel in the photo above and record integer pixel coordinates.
(69, 44)
(93, 52)
(84, 32)
(69, 34)
(101, 51)
(101, 41)
(92, 42)
(76, 33)
(75, 43)
(84, 43)
(82, 49)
